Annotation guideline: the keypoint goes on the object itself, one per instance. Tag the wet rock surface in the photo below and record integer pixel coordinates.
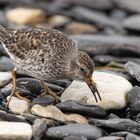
(108, 30)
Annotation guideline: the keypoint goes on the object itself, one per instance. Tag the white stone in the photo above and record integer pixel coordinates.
(18, 106)
(5, 77)
(15, 131)
(53, 112)
(25, 16)
(112, 88)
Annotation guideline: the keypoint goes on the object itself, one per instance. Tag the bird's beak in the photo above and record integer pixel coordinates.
(91, 84)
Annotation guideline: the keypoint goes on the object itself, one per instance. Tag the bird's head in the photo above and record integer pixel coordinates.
(83, 68)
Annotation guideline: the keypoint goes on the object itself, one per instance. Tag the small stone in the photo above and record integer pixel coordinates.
(90, 16)
(29, 16)
(111, 138)
(76, 118)
(132, 23)
(131, 6)
(53, 112)
(4, 116)
(39, 128)
(127, 46)
(49, 112)
(15, 131)
(127, 135)
(83, 109)
(6, 64)
(44, 100)
(118, 124)
(105, 59)
(5, 78)
(134, 99)
(18, 106)
(89, 131)
(112, 88)
(79, 28)
(58, 20)
(133, 69)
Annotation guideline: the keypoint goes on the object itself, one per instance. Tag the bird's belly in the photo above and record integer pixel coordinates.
(31, 68)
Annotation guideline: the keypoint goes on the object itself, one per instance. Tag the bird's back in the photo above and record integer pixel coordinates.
(38, 48)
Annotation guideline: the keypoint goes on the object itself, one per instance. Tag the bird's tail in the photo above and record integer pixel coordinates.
(4, 34)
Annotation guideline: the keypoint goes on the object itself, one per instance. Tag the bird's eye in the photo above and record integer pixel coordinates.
(82, 70)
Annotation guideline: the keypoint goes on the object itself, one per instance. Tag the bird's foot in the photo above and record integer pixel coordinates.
(46, 91)
(16, 94)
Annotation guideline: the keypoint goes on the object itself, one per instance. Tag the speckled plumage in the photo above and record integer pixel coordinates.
(39, 51)
(47, 54)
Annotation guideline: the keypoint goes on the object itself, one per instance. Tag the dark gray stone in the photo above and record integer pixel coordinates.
(94, 4)
(133, 69)
(76, 107)
(44, 100)
(97, 18)
(118, 124)
(10, 117)
(132, 23)
(134, 99)
(127, 135)
(129, 5)
(89, 131)
(111, 45)
(104, 59)
(6, 64)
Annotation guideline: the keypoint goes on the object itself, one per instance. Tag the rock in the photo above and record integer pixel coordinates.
(76, 118)
(79, 28)
(104, 59)
(134, 99)
(113, 116)
(3, 20)
(18, 106)
(48, 112)
(93, 4)
(132, 23)
(111, 45)
(111, 138)
(30, 117)
(58, 21)
(108, 86)
(118, 124)
(29, 16)
(83, 109)
(127, 135)
(73, 137)
(6, 64)
(14, 131)
(94, 17)
(118, 14)
(39, 128)
(131, 6)
(88, 131)
(44, 100)
(53, 112)
(133, 69)
(10, 117)
(5, 78)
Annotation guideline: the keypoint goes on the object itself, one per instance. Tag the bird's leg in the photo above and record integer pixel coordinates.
(45, 90)
(14, 91)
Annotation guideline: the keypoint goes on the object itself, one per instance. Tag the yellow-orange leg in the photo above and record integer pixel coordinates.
(14, 91)
(45, 90)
